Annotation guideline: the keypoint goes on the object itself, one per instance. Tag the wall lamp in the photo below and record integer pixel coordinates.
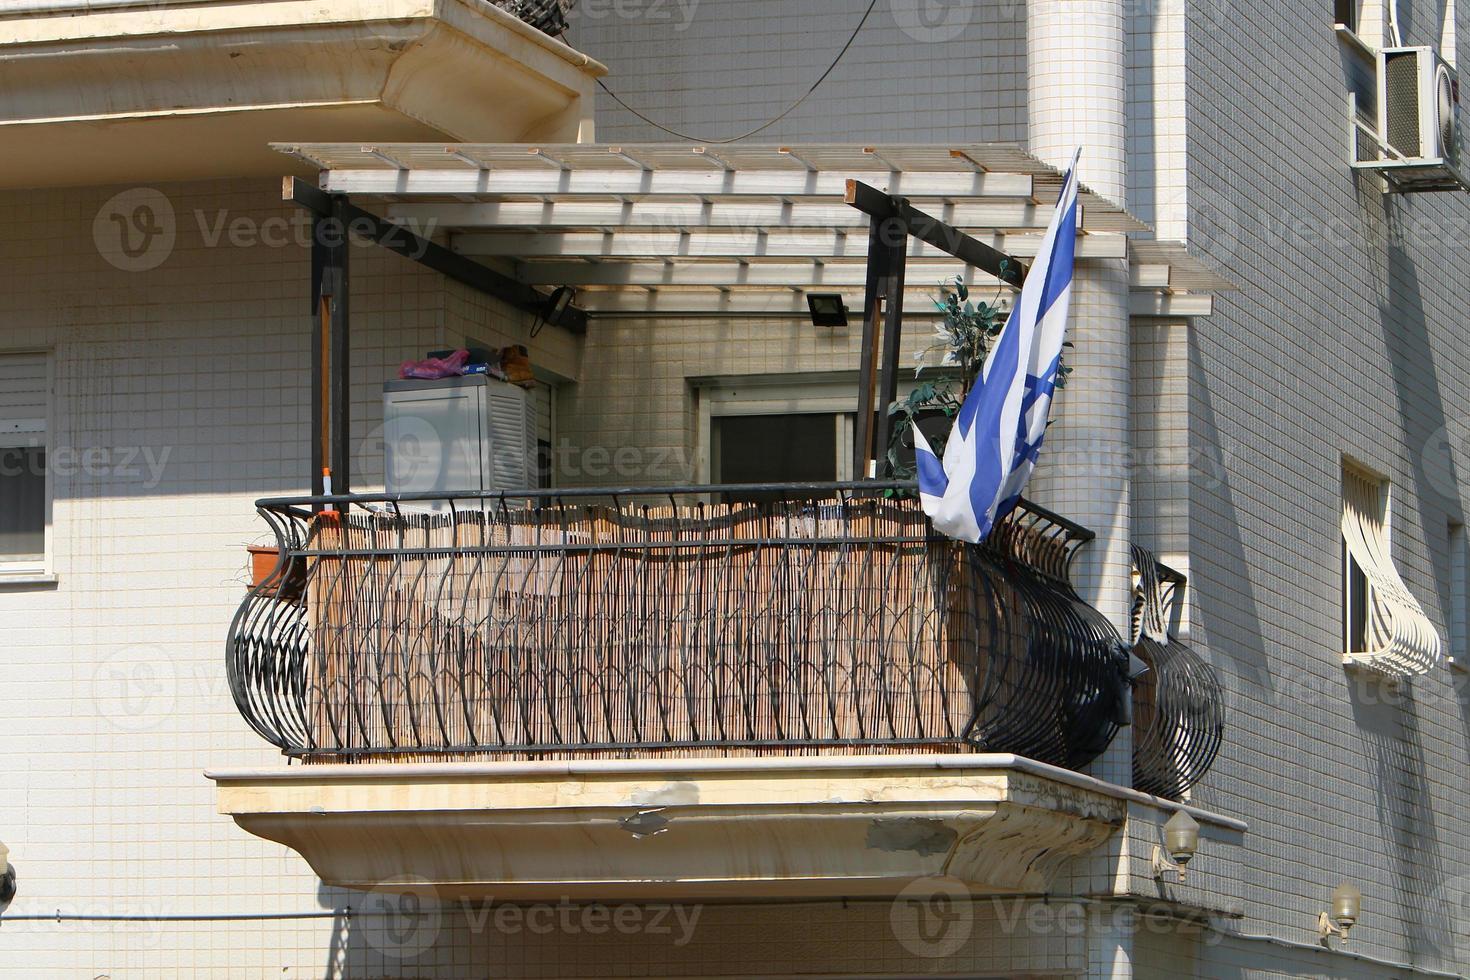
(828, 309)
(1181, 841)
(1347, 905)
(554, 310)
(7, 879)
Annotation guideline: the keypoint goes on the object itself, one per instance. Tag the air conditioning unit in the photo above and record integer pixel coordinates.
(1417, 146)
(453, 435)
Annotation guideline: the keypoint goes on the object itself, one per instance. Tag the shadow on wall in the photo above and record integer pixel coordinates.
(1404, 803)
(1239, 650)
(1392, 730)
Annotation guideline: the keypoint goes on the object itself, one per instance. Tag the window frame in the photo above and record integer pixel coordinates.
(38, 569)
(787, 394)
(1355, 635)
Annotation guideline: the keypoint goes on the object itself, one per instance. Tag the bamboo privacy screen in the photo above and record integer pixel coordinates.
(505, 628)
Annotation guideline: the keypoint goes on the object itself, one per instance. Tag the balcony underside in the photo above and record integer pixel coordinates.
(170, 91)
(698, 829)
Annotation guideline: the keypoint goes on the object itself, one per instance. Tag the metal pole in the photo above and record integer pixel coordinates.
(319, 349)
(341, 351)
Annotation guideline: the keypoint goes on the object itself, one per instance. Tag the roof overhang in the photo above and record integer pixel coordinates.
(676, 230)
(98, 92)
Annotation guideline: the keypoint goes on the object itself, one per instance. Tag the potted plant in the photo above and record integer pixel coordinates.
(963, 340)
(287, 584)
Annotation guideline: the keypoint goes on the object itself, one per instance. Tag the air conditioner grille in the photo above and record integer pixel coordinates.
(1401, 84)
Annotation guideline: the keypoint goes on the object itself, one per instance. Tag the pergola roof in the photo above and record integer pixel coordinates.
(678, 230)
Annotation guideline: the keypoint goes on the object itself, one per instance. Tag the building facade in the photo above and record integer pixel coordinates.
(156, 344)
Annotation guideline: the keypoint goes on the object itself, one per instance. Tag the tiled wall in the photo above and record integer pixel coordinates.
(1347, 337)
(716, 69)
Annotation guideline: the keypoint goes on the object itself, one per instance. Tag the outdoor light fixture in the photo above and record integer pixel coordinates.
(7, 879)
(557, 303)
(1347, 905)
(1181, 839)
(828, 309)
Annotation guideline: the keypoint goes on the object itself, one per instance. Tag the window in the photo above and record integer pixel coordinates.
(1345, 12)
(1383, 626)
(24, 497)
(785, 428)
(775, 448)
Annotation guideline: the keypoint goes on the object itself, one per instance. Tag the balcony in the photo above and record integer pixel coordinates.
(591, 624)
(695, 693)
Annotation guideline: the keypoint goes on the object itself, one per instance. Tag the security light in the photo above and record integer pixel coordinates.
(828, 309)
(557, 303)
(1181, 839)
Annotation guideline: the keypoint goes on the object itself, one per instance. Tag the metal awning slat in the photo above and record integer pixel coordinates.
(708, 183)
(823, 244)
(803, 275)
(985, 217)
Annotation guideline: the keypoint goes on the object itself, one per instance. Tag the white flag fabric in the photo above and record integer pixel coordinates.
(997, 435)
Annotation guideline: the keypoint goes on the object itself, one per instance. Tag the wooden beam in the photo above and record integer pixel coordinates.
(734, 274)
(774, 303)
(985, 217)
(398, 239)
(880, 259)
(779, 244)
(940, 236)
(707, 182)
(1171, 304)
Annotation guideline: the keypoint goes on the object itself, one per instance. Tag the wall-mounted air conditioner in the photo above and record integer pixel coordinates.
(458, 434)
(1417, 143)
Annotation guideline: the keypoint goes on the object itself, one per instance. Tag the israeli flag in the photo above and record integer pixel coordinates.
(998, 432)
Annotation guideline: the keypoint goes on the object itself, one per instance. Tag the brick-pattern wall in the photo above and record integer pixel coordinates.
(1346, 338)
(716, 69)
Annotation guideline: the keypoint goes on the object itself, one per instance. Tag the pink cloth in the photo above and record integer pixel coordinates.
(431, 368)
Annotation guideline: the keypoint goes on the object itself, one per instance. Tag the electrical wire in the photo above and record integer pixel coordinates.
(762, 128)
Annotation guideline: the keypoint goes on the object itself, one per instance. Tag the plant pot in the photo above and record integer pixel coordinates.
(263, 561)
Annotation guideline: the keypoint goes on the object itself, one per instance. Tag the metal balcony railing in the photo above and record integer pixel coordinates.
(1178, 704)
(783, 619)
(548, 16)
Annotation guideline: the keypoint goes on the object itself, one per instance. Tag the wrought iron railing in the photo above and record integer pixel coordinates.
(1178, 705)
(671, 621)
(549, 16)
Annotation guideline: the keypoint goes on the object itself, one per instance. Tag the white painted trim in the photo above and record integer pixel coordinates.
(38, 570)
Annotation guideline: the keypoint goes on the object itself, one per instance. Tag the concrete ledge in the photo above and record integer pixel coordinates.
(178, 91)
(707, 829)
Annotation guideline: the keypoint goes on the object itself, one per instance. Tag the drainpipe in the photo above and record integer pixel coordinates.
(1077, 95)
